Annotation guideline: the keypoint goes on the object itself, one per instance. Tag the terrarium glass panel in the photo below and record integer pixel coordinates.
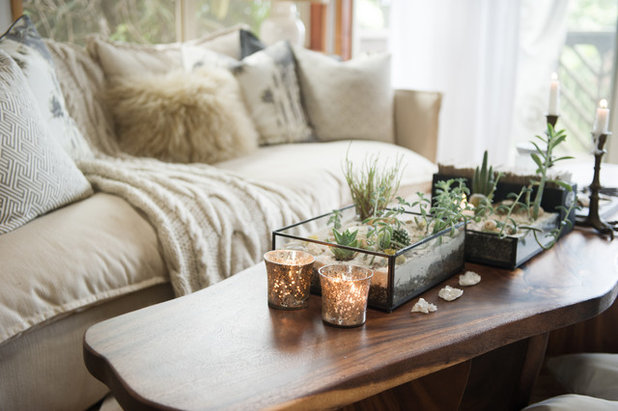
(399, 275)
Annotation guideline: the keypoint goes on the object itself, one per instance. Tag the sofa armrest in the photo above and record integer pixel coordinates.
(417, 115)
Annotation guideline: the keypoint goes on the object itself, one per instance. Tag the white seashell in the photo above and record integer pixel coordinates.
(449, 293)
(423, 306)
(469, 278)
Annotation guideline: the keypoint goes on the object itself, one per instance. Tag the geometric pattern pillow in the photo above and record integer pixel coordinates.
(23, 43)
(347, 100)
(36, 174)
(272, 94)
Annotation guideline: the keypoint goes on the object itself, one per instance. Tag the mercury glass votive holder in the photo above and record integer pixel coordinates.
(289, 278)
(345, 289)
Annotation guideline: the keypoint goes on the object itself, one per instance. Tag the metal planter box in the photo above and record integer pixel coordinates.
(512, 251)
(398, 277)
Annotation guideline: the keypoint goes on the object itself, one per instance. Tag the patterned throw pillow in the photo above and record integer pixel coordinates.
(347, 100)
(23, 43)
(36, 174)
(272, 94)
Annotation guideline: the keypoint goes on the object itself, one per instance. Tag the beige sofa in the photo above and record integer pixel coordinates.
(101, 257)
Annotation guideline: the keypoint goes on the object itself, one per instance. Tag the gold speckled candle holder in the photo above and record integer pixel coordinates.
(345, 289)
(289, 278)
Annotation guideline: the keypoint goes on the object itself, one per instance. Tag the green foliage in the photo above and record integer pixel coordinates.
(485, 180)
(401, 238)
(346, 238)
(544, 159)
(335, 219)
(509, 225)
(372, 187)
(448, 205)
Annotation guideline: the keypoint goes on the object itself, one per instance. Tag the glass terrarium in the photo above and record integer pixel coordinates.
(399, 275)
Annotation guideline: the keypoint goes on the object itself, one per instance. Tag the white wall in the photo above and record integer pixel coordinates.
(5, 15)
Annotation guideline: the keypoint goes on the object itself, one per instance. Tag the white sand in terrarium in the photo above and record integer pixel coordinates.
(544, 220)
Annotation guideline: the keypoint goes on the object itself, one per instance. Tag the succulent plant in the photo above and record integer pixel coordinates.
(485, 180)
(374, 185)
(346, 238)
(401, 238)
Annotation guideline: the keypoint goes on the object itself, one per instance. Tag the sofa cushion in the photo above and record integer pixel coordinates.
(594, 374)
(53, 352)
(36, 174)
(272, 94)
(314, 170)
(23, 43)
(347, 100)
(182, 117)
(129, 59)
(72, 258)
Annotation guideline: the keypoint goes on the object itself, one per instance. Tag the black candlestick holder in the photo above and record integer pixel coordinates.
(593, 219)
(552, 119)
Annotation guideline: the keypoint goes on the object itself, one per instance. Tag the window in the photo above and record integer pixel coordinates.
(371, 25)
(586, 67)
(141, 21)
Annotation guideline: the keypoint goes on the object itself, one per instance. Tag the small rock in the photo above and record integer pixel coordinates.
(469, 278)
(476, 199)
(449, 293)
(423, 306)
(490, 225)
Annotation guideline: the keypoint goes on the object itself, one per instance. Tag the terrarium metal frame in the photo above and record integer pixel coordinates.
(391, 303)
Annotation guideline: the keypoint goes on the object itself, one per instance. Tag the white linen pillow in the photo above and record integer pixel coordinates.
(36, 174)
(182, 117)
(272, 94)
(118, 59)
(23, 43)
(347, 100)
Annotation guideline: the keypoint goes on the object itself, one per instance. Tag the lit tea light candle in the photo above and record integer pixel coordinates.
(554, 95)
(601, 121)
(289, 278)
(345, 289)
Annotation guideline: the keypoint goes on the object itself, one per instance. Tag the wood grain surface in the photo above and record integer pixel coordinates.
(222, 347)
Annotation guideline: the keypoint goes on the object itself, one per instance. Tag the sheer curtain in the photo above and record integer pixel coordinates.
(471, 50)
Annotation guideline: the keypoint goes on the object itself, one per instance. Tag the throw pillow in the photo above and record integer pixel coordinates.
(23, 43)
(182, 117)
(347, 100)
(118, 59)
(272, 94)
(249, 43)
(36, 174)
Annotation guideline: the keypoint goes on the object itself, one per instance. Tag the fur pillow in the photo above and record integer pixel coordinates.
(182, 117)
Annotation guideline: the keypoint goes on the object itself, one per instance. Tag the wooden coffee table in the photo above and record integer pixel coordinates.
(223, 348)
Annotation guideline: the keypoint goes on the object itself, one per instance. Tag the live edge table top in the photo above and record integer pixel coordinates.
(222, 347)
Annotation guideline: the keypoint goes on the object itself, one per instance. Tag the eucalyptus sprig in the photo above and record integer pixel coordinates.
(544, 159)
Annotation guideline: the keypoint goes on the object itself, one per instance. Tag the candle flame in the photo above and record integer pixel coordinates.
(603, 103)
(554, 76)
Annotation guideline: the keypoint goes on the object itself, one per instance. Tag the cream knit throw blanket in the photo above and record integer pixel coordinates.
(210, 223)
